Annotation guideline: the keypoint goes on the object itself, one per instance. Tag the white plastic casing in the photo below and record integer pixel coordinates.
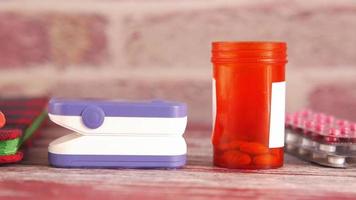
(77, 144)
(125, 125)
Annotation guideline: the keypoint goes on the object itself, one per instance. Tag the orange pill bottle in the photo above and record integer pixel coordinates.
(248, 104)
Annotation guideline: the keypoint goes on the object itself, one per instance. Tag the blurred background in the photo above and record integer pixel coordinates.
(161, 49)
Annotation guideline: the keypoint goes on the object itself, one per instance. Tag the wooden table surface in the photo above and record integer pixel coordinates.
(34, 179)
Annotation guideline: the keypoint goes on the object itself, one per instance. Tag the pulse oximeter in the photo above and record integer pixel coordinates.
(118, 134)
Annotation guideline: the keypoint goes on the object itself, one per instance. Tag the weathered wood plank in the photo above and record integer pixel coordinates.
(33, 178)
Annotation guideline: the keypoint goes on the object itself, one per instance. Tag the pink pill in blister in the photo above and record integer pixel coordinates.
(289, 118)
(320, 118)
(333, 135)
(309, 124)
(296, 115)
(306, 113)
(297, 121)
(319, 127)
(334, 132)
(329, 119)
(353, 127)
(353, 131)
(344, 131)
(342, 123)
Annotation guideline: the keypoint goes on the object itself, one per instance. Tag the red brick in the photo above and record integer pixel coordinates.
(317, 36)
(23, 40)
(12, 89)
(77, 39)
(59, 38)
(338, 99)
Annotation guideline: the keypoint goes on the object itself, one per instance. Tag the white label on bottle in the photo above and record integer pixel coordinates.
(276, 127)
(214, 101)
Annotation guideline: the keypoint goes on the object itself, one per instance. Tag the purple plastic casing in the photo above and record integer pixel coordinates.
(115, 161)
(112, 108)
(93, 113)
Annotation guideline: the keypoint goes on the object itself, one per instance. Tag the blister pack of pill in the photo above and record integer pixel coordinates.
(321, 138)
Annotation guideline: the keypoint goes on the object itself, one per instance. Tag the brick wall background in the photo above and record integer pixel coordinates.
(161, 49)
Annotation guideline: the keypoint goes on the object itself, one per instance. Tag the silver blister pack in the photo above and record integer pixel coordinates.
(321, 138)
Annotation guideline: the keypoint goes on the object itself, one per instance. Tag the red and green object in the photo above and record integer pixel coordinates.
(2, 119)
(23, 117)
(12, 158)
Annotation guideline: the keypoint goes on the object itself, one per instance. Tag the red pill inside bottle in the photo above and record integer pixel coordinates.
(249, 104)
